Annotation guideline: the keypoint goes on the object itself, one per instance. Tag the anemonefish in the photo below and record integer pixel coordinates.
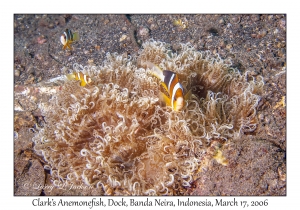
(68, 37)
(180, 23)
(170, 82)
(80, 76)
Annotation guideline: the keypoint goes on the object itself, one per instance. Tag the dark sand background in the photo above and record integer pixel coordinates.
(254, 42)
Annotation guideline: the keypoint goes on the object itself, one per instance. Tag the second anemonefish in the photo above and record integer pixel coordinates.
(171, 84)
(180, 23)
(68, 37)
(80, 76)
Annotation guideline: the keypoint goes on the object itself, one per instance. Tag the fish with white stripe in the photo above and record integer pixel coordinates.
(68, 38)
(170, 82)
(81, 77)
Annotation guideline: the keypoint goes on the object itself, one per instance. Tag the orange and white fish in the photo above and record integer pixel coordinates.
(68, 37)
(180, 23)
(170, 82)
(80, 76)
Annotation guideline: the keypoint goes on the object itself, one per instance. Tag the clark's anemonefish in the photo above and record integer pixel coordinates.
(171, 84)
(68, 37)
(80, 76)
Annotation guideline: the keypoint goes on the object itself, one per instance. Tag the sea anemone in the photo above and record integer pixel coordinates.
(115, 134)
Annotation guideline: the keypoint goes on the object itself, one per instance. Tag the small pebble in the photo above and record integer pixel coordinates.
(106, 21)
(280, 45)
(262, 33)
(17, 72)
(222, 44)
(267, 119)
(67, 53)
(281, 52)
(29, 80)
(270, 17)
(253, 73)
(143, 31)
(30, 69)
(282, 23)
(261, 116)
(255, 17)
(51, 25)
(123, 37)
(150, 20)
(282, 175)
(125, 55)
(229, 46)
(97, 47)
(41, 40)
(16, 135)
(75, 17)
(39, 79)
(176, 46)
(235, 19)
(153, 26)
(38, 56)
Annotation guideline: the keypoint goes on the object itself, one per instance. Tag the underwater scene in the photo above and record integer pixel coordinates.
(150, 104)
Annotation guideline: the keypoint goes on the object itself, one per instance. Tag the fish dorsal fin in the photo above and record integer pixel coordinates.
(155, 70)
(188, 95)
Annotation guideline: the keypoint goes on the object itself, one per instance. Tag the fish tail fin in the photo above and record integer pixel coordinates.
(188, 95)
(155, 70)
(76, 36)
(70, 76)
